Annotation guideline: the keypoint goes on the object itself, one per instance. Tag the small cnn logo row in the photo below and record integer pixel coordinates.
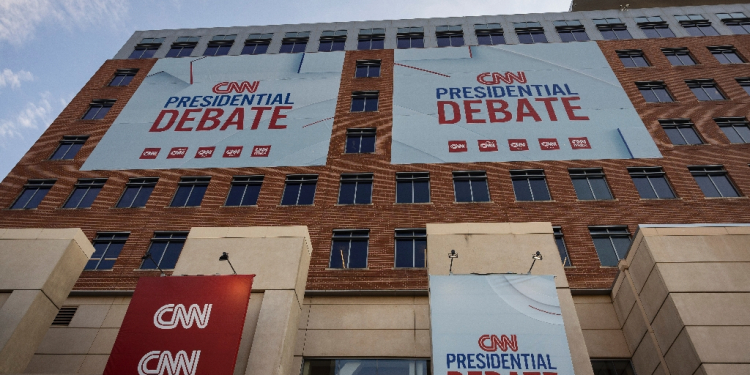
(206, 152)
(490, 145)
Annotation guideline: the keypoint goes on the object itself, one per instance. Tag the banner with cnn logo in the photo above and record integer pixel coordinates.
(182, 325)
(497, 325)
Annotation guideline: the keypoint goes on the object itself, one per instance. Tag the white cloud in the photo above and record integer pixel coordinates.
(8, 78)
(35, 115)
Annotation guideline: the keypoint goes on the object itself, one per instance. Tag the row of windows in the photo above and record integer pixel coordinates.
(634, 58)
(703, 89)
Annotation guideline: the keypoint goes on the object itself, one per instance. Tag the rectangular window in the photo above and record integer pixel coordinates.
(332, 40)
(366, 366)
(489, 34)
(612, 29)
(107, 247)
(356, 188)
(371, 39)
(256, 44)
(530, 185)
(632, 58)
(654, 27)
(412, 187)
(244, 191)
(410, 37)
(164, 251)
(220, 45)
(183, 46)
(69, 147)
(654, 92)
(726, 54)
(411, 248)
(299, 190)
(590, 184)
(146, 48)
(696, 25)
(367, 69)
(364, 101)
(705, 89)
(713, 180)
(123, 77)
(681, 131)
(449, 36)
(349, 248)
(84, 192)
(98, 109)
(571, 31)
(738, 22)
(294, 42)
(744, 83)
(471, 186)
(530, 32)
(735, 128)
(33, 193)
(190, 191)
(360, 141)
(678, 56)
(137, 191)
(612, 367)
(611, 243)
(560, 242)
(651, 182)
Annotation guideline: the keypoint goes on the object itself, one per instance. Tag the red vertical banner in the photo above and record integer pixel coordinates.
(182, 325)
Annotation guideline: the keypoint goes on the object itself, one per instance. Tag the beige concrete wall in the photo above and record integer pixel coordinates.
(600, 326)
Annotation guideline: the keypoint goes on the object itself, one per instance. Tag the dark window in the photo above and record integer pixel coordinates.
(471, 186)
(146, 48)
(681, 131)
(705, 89)
(294, 42)
(332, 40)
(98, 109)
(371, 39)
(164, 251)
(410, 37)
(696, 25)
(367, 69)
(612, 367)
(69, 147)
(412, 187)
(560, 242)
(244, 191)
(571, 31)
(183, 46)
(735, 128)
(714, 181)
(489, 34)
(612, 28)
(738, 22)
(726, 55)
(299, 190)
(744, 83)
(84, 192)
(107, 247)
(360, 141)
(590, 184)
(530, 185)
(449, 36)
(632, 58)
(366, 366)
(349, 248)
(654, 92)
(678, 56)
(611, 243)
(137, 191)
(190, 191)
(651, 182)
(356, 188)
(530, 32)
(411, 248)
(220, 45)
(65, 316)
(364, 101)
(123, 77)
(33, 193)
(654, 27)
(256, 44)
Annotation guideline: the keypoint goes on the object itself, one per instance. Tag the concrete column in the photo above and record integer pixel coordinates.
(275, 334)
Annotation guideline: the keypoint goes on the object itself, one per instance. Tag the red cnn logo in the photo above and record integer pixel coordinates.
(490, 343)
(150, 153)
(205, 152)
(238, 87)
(495, 78)
(177, 153)
(261, 151)
(487, 145)
(549, 144)
(232, 151)
(457, 146)
(579, 143)
(518, 145)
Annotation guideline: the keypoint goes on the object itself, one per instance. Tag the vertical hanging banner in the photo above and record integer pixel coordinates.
(182, 325)
(497, 325)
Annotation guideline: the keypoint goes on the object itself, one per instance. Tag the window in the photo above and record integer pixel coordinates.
(590, 184)
(190, 191)
(164, 251)
(123, 77)
(331, 40)
(726, 55)
(349, 248)
(744, 83)
(84, 192)
(696, 25)
(654, 27)
(367, 69)
(738, 22)
(611, 243)
(571, 31)
(183, 46)
(65, 316)
(612, 28)
(244, 191)
(530, 32)
(735, 128)
(678, 56)
(560, 242)
(632, 58)
(371, 39)
(356, 188)
(411, 248)
(360, 141)
(410, 37)
(364, 101)
(294, 42)
(69, 147)
(366, 366)
(705, 89)
(107, 247)
(299, 190)
(256, 44)
(612, 367)
(651, 182)
(220, 45)
(98, 109)
(489, 34)
(449, 36)
(681, 131)
(654, 92)
(412, 187)
(471, 186)
(146, 48)
(714, 181)
(33, 193)
(137, 191)
(530, 185)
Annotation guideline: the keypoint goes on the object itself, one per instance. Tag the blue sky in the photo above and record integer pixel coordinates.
(50, 48)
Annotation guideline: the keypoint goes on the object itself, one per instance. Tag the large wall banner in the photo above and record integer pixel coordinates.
(226, 111)
(497, 325)
(556, 101)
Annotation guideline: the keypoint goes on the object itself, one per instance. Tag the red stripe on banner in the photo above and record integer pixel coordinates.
(424, 70)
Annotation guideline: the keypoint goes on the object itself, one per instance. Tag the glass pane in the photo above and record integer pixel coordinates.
(143, 195)
(352, 144)
(307, 194)
(378, 44)
(286, 48)
(627, 62)
(417, 42)
(181, 196)
(171, 255)
(99, 249)
(708, 188)
(663, 95)
(457, 41)
(37, 198)
(525, 39)
(444, 41)
(484, 39)
(101, 113)
(737, 29)
(420, 252)
(337, 46)
(358, 104)
(731, 134)
(404, 192)
(686, 60)
(539, 188)
(608, 34)
(251, 195)
(640, 61)
(463, 191)
(371, 104)
(662, 187)
(126, 80)
(539, 38)
(374, 71)
(563, 251)
(149, 53)
(106, 264)
(368, 144)
(734, 58)
(623, 34)
(666, 33)
(421, 191)
(325, 45)
(135, 54)
(156, 250)
(361, 72)
(223, 50)
(601, 190)
(403, 43)
(72, 151)
(709, 31)
(91, 113)
(210, 51)
(291, 191)
(114, 250)
(127, 197)
(358, 254)
(693, 31)
(699, 93)
(89, 197)
(644, 188)
(606, 252)
(364, 193)
(691, 136)
(479, 190)
(725, 187)
(744, 133)
(261, 49)
(339, 254)
(173, 52)
(91, 264)
(582, 189)
(622, 244)
(196, 196)
(674, 60)
(234, 198)
(346, 193)
(651, 33)
(649, 96)
(75, 198)
(567, 36)
(404, 253)
(674, 136)
(522, 190)
(721, 58)
(363, 44)
(61, 151)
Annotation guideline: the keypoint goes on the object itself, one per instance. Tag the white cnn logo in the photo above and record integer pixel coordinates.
(180, 314)
(168, 365)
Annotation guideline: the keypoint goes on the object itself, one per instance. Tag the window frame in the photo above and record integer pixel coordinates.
(572, 27)
(490, 30)
(297, 40)
(160, 237)
(362, 133)
(256, 40)
(300, 179)
(193, 182)
(533, 30)
(356, 179)
(648, 172)
(369, 65)
(735, 21)
(528, 175)
(139, 182)
(101, 237)
(37, 184)
(98, 107)
(124, 75)
(148, 46)
(677, 52)
(413, 234)
(632, 54)
(411, 178)
(734, 123)
(353, 234)
(612, 231)
(453, 33)
(88, 184)
(335, 39)
(471, 176)
(411, 34)
(710, 171)
(560, 240)
(371, 39)
(366, 97)
(652, 86)
(677, 124)
(587, 174)
(246, 182)
(704, 86)
(69, 140)
(614, 26)
(725, 51)
(654, 23)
